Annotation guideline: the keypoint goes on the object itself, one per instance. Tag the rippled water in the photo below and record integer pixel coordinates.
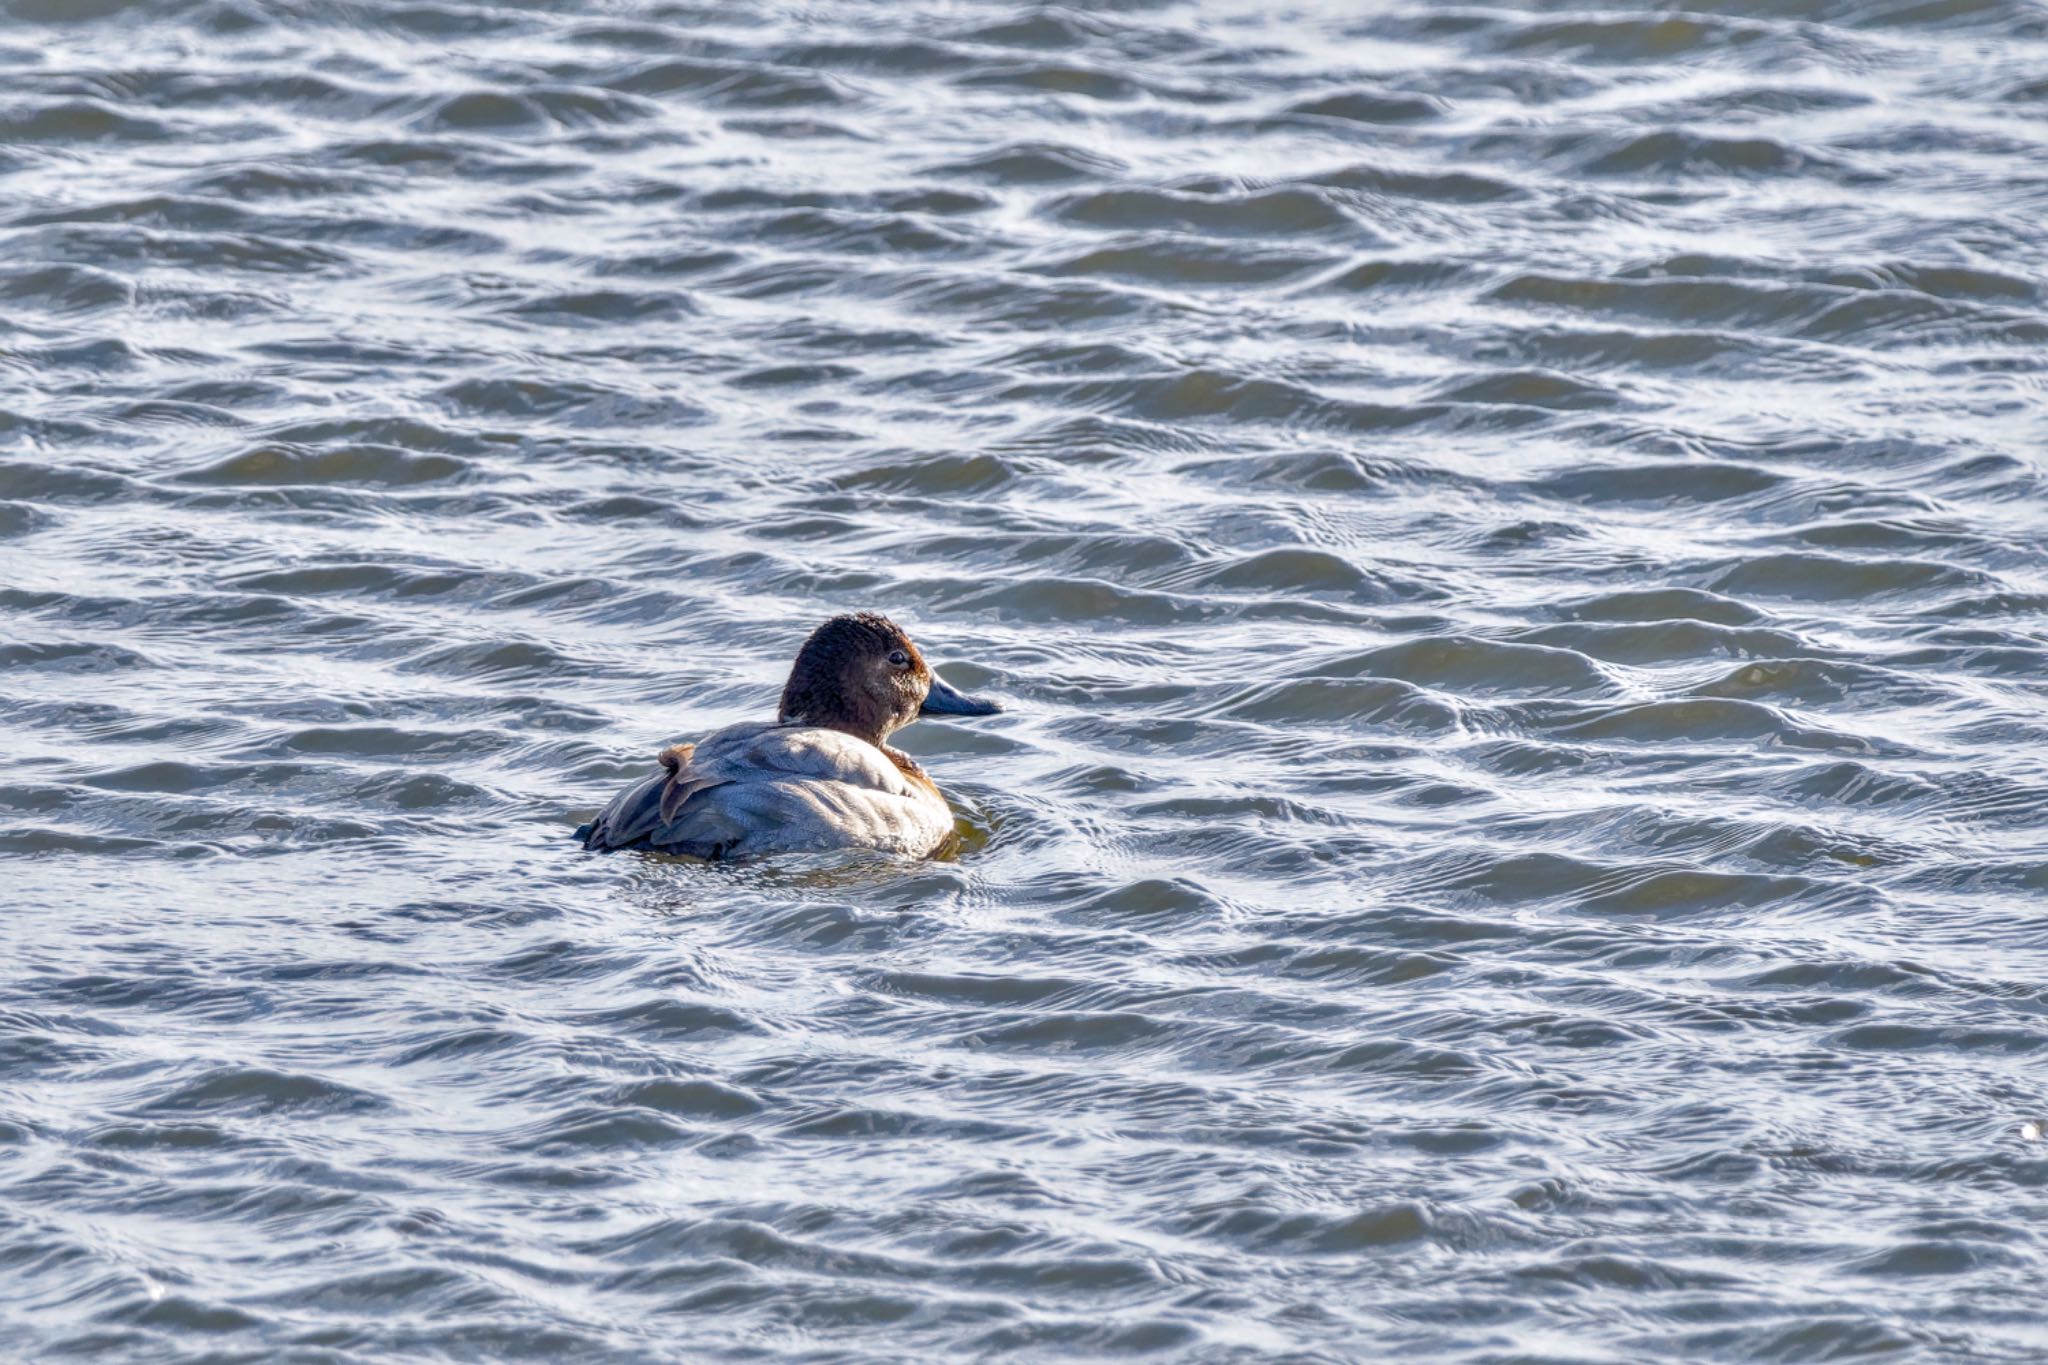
(1514, 539)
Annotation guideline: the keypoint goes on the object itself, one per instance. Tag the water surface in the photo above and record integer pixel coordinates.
(1514, 537)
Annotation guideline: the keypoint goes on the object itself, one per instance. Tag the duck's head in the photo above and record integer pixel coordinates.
(861, 674)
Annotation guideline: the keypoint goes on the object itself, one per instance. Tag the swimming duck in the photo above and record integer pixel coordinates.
(822, 776)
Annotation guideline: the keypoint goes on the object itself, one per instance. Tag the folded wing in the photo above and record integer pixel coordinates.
(712, 798)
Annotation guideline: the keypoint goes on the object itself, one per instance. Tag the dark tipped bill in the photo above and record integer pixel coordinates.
(947, 700)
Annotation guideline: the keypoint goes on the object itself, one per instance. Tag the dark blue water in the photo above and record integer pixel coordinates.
(1514, 539)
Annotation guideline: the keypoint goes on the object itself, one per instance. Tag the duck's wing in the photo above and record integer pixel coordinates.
(631, 816)
(708, 797)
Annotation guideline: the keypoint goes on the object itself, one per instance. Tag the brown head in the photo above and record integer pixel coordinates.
(861, 674)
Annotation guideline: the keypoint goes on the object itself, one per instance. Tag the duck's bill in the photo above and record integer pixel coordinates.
(947, 700)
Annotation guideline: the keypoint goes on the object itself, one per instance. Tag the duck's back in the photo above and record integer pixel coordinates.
(754, 789)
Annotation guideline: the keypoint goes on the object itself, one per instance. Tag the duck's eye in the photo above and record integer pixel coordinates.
(898, 659)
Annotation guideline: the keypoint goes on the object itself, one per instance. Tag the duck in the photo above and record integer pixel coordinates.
(821, 776)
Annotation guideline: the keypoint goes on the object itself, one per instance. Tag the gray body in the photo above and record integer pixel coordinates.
(754, 789)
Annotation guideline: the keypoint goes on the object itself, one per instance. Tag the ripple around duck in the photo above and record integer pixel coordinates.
(1032, 163)
(112, 244)
(1701, 719)
(1813, 682)
(256, 1090)
(376, 466)
(1821, 577)
(1175, 260)
(1213, 394)
(1275, 213)
(1384, 702)
(1305, 571)
(734, 84)
(1655, 483)
(1371, 106)
(1477, 667)
(1677, 153)
(586, 405)
(1667, 642)
(79, 120)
